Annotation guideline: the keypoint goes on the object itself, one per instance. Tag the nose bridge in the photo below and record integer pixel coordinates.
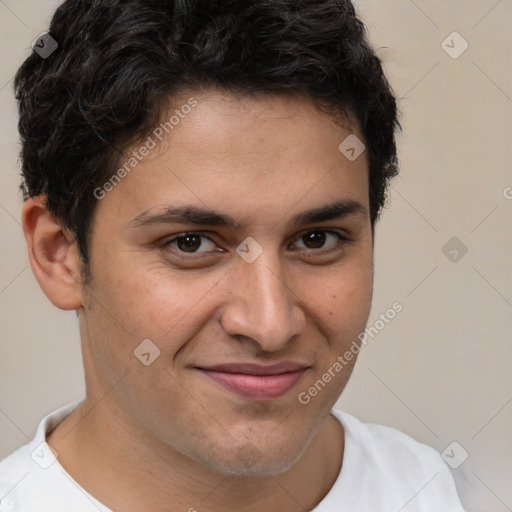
(263, 307)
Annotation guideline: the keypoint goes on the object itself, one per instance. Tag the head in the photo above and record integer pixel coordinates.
(185, 182)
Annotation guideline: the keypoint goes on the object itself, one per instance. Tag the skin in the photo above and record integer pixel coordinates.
(164, 436)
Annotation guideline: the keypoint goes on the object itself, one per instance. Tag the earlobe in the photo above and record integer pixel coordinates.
(53, 255)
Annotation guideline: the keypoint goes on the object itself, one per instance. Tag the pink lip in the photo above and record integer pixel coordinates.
(255, 382)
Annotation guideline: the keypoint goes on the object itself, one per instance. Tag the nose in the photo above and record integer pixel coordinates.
(262, 305)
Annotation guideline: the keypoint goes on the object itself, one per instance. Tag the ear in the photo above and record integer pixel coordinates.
(53, 255)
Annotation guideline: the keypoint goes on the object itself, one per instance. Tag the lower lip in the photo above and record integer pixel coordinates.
(256, 387)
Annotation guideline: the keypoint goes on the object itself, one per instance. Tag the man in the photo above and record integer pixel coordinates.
(202, 182)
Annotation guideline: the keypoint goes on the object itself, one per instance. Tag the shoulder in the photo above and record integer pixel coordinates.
(407, 473)
(380, 441)
(31, 477)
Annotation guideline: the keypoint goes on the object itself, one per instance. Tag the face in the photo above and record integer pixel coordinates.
(243, 239)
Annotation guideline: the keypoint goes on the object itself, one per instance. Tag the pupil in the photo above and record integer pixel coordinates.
(189, 243)
(315, 239)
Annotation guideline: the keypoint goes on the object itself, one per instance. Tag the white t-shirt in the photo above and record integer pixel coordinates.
(383, 470)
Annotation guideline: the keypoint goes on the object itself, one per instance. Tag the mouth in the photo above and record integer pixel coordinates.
(256, 382)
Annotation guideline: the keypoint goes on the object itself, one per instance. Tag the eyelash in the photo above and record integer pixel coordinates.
(191, 255)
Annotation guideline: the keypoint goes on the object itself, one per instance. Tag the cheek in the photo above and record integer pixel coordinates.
(152, 301)
(343, 301)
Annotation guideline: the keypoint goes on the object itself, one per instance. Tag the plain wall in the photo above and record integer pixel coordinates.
(441, 369)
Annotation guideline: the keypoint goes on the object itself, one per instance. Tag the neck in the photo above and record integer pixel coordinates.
(127, 469)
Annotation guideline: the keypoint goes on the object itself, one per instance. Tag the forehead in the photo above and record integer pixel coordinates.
(253, 126)
(243, 154)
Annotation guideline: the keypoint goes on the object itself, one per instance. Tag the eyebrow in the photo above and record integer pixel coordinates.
(207, 217)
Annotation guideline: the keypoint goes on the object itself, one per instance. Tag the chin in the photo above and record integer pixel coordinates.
(251, 461)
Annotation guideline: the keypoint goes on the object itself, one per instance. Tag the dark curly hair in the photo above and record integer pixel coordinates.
(119, 62)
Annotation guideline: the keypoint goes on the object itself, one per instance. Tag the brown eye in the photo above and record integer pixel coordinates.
(191, 243)
(314, 239)
(318, 238)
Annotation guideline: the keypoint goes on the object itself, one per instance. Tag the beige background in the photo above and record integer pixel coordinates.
(441, 370)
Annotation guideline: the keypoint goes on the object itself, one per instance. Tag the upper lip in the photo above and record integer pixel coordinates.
(256, 369)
